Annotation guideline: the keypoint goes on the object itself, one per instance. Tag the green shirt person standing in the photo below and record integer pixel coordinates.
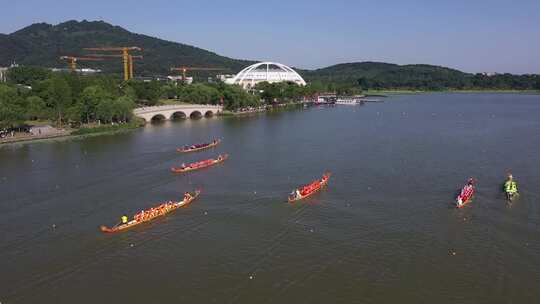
(510, 186)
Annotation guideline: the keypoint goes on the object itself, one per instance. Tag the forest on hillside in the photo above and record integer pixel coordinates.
(385, 76)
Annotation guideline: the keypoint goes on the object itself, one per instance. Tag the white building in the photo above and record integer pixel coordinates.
(265, 71)
(176, 78)
(3, 74)
(84, 71)
(224, 77)
(4, 71)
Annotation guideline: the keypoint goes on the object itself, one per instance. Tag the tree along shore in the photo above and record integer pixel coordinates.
(74, 100)
(101, 102)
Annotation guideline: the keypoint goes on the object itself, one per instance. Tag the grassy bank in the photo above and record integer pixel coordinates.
(226, 113)
(108, 129)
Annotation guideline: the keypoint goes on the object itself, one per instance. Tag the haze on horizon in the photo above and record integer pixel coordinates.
(480, 36)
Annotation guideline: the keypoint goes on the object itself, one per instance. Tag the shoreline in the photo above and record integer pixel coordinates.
(400, 92)
(262, 109)
(64, 137)
(32, 138)
(69, 135)
(136, 124)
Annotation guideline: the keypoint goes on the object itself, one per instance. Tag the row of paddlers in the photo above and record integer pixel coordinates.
(467, 192)
(199, 164)
(465, 196)
(165, 208)
(296, 195)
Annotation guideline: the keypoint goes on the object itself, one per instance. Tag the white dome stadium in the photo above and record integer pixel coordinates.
(266, 71)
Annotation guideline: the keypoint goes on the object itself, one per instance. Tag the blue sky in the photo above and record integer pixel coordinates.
(473, 36)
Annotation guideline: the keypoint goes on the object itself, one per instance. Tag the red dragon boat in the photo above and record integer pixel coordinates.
(200, 164)
(199, 147)
(310, 189)
(152, 213)
(466, 194)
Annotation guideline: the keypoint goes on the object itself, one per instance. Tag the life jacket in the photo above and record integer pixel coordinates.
(510, 186)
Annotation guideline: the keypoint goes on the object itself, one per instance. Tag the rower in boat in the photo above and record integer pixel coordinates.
(296, 194)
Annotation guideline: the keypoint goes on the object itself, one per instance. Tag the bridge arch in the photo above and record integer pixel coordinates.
(195, 114)
(208, 114)
(178, 115)
(158, 117)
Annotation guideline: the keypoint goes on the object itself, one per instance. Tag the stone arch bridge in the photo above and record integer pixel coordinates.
(176, 111)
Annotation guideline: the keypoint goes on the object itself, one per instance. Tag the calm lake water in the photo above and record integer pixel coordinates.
(384, 231)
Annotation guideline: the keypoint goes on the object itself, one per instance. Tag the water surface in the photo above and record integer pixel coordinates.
(384, 231)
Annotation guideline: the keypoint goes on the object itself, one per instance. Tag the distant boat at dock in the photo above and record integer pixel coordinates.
(372, 100)
(350, 100)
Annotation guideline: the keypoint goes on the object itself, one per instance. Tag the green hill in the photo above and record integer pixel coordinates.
(41, 44)
(353, 71)
(379, 75)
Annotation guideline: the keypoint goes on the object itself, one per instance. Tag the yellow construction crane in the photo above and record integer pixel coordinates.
(184, 70)
(130, 60)
(124, 53)
(72, 61)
